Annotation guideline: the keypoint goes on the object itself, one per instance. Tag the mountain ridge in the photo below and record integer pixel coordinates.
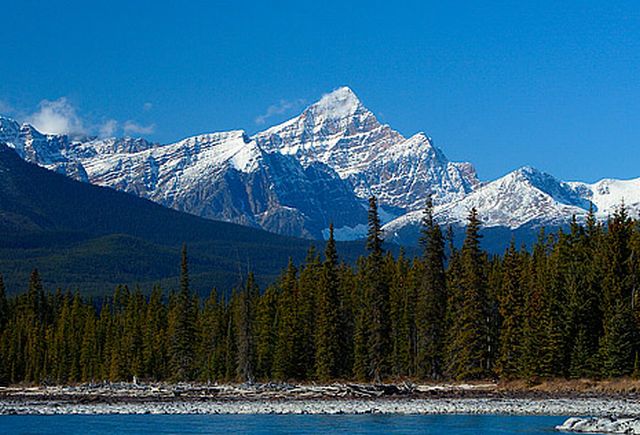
(297, 177)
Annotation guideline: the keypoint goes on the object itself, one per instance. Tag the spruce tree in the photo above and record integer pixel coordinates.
(431, 300)
(266, 332)
(244, 324)
(287, 335)
(618, 346)
(310, 277)
(536, 312)
(511, 305)
(183, 327)
(470, 342)
(377, 293)
(328, 321)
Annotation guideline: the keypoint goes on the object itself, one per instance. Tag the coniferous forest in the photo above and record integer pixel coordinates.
(567, 307)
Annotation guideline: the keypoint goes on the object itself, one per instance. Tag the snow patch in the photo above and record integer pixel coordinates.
(346, 233)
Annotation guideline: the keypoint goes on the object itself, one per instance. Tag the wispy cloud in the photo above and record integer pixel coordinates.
(57, 117)
(108, 128)
(278, 109)
(132, 127)
(62, 117)
(5, 108)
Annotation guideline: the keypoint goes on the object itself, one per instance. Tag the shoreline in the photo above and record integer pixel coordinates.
(479, 398)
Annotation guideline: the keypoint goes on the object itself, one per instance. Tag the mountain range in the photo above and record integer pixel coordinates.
(318, 168)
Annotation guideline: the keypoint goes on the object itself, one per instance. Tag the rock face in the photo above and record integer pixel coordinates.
(315, 169)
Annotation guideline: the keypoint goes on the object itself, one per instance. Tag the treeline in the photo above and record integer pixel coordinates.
(567, 308)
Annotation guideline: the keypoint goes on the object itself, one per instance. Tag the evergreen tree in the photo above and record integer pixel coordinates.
(377, 292)
(287, 335)
(328, 320)
(470, 343)
(536, 280)
(4, 307)
(266, 332)
(431, 300)
(511, 306)
(244, 324)
(617, 346)
(182, 327)
(310, 277)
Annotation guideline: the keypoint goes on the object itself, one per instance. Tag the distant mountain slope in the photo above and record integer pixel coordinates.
(525, 200)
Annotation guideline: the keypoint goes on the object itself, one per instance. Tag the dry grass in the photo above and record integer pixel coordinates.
(566, 386)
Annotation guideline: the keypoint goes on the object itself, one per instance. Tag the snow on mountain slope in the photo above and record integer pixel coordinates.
(403, 175)
(337, 130)
(529, 198)
(375, 159)
(224, 176)
(608, 194)
(523, 197)
(46, 150)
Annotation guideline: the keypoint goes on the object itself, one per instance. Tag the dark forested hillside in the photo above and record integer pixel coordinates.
(91, 238)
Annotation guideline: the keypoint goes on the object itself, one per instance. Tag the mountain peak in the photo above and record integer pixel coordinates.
(339, 103)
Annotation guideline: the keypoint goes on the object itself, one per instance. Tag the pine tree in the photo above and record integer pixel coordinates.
(4, 307)
(536, 279)
(287, 335)
(511, 306)
(617, 346)
(310, 277)
(470, 343)
(266, 332)
(328, 320)
(89, 352)
(362, 325)
(183, 327)
(154, 349)
(401, 314)
(377, 291)
(244, 324)
(4, 335)
(431, 300)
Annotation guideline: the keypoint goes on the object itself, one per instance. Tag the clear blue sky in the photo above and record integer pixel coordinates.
(552, 84)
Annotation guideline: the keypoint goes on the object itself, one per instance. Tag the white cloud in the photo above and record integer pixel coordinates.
(132, 127)
(278, 109)
(108, 128)
(147, 106)
(57, 117)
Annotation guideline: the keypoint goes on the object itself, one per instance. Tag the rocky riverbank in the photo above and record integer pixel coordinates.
(478, 398)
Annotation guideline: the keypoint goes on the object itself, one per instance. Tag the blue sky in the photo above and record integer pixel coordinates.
(555, 85)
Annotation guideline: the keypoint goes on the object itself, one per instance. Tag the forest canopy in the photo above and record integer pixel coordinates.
(569, 307)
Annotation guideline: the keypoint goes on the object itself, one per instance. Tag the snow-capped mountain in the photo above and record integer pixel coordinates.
(319, 167)
(294, 178)
(375, 159)
(527, 198)
(46, 150)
